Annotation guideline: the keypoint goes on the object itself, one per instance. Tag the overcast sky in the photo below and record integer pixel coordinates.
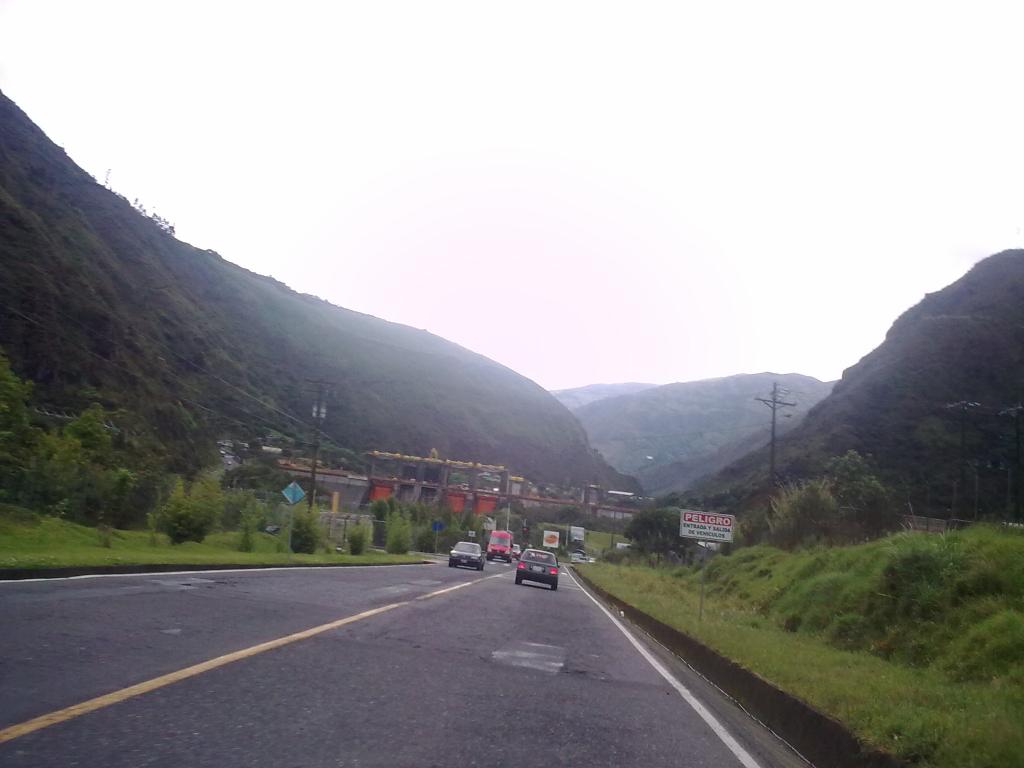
(585, 192)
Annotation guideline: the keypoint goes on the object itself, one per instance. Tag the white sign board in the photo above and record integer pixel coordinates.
(471, 534)
(576, 533)
(488, 523)
(551, 539)
(706, 526)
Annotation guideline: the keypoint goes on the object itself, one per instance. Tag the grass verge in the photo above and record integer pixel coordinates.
(28, 540)
(814, 624)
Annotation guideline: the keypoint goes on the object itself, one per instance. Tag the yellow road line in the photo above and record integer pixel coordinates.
(91, 705)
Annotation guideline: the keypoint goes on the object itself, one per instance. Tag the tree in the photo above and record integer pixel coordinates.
(654, 530)
(16, 434)
(864, 503)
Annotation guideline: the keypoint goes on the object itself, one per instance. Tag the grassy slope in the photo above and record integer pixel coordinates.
(31, 541)
(107, 307)
(916, 642)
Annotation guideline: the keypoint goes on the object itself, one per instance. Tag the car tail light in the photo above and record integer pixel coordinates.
(554, 571)
(521, 566)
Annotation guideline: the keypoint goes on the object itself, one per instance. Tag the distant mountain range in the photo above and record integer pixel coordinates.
(671, 435)
(100, 303)
(576, 398)
(929, 405)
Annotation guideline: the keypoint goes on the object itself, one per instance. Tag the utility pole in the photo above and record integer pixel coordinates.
(1015, 412)
(963, 406)
(319, 412)
(774, 403)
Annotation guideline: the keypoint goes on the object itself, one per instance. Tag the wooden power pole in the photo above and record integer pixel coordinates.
(774, 403)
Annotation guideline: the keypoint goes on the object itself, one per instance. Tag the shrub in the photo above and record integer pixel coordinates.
(305, 533)
(252, 517)
(802, 513)
(182, 519)
(358, 536)
(398, 534)
(425, 539)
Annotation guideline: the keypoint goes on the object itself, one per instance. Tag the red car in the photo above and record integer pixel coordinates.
(500, 546)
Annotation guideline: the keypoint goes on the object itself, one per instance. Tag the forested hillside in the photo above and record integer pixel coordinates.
(932, 406)
(100, 303)
(670, 436)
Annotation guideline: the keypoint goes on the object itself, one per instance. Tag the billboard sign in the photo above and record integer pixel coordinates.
(551, 539)
(706, 526)
(576, 533)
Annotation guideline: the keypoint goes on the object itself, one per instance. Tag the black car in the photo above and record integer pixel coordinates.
(537, 565)
(468, 554)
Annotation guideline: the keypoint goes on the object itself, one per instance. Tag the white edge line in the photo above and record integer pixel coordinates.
(214, 570)
(720, 730)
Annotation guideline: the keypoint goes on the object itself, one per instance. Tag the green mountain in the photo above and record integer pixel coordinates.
(669, 436)
(577, 397)
(100, 303)
(963, 344)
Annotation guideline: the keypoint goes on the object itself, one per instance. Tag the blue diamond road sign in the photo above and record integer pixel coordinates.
(293, 492)
(437, 525)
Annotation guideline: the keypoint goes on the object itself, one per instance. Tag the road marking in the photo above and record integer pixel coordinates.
(713, 723)
(458, 586)
(546, 658)
(99, 702)
(213, 571)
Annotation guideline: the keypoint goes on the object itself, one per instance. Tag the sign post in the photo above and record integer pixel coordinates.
(438, 526)
(705, 527)
(294, 493)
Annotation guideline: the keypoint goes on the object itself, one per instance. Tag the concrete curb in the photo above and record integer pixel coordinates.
(19, 574)
(819, 738)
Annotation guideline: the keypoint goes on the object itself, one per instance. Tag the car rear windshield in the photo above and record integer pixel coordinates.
(467, 548)
(501, 538)
(539, 557)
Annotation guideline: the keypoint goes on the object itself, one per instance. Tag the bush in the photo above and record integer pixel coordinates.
(182, 519)
(305, 533)
(358, 536)
(803, 513)
(425, 539)
(398, 534)
(252, 517)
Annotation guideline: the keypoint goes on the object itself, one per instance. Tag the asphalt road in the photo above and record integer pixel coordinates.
(485, 674)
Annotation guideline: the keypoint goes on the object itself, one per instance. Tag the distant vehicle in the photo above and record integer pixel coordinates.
(500, 546)
(516, 551)
(467, 554)
(537, 565)
(579, 557)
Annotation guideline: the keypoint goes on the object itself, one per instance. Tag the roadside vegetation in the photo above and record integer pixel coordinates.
(916, 641)
(30, 540)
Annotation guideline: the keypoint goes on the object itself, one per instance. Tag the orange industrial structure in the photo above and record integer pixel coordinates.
(460, 485)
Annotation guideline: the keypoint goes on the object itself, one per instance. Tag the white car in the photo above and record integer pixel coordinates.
(578, 557)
